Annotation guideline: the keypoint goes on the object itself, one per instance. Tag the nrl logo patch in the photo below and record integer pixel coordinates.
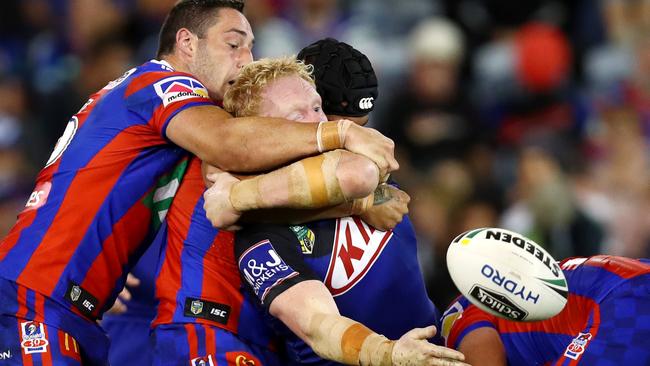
(196, 307)
(306, 238)
(75, 293)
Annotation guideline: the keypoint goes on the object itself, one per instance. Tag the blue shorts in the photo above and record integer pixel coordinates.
(618, 333)
(37, 330)
(130, 340)
(206, 345)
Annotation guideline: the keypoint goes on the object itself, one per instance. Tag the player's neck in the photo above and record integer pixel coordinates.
(176, 63)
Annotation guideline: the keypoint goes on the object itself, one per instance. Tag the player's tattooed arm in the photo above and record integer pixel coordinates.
(389, 205)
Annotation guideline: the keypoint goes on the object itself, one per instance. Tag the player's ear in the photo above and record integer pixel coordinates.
(186, 43)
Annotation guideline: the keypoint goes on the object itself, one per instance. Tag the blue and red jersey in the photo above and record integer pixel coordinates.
(607, 309)
(373, 275)
(198, 280)
(87, 221)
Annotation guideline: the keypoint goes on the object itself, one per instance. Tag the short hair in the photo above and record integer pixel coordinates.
(244, 97)
(195, 15)
(345, 78)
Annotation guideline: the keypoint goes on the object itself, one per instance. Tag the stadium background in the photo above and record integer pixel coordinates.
(529, 115)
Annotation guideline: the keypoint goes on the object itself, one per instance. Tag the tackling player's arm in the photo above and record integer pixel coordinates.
(383, 209)
(321, 181)
(291, 292)
(249, 144)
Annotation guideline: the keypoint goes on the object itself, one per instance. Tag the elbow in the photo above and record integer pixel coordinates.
(358, 176)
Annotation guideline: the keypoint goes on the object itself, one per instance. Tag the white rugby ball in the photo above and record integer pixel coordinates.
(507, 274)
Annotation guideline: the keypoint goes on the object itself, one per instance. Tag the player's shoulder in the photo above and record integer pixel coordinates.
(460, 317)
(159, 78)
(620, 266)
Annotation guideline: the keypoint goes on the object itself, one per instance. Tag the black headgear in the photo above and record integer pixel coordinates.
(344, 77)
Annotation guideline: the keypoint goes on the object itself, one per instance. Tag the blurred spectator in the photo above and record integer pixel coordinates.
(429, 118)
(104, 60)
(544, 207)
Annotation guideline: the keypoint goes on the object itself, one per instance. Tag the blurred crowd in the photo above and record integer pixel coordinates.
(528, 115)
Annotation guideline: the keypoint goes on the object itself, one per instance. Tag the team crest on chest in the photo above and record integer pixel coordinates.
(356, 248)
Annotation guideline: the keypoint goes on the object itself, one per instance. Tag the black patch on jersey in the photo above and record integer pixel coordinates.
(213, 311)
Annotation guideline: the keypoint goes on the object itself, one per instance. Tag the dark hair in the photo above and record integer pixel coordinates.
(195, 15)
(344, 77)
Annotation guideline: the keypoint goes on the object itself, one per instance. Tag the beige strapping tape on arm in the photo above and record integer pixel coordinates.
(343, 340)
(311, 183)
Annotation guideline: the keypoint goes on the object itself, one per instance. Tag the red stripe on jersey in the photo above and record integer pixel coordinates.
(116, 250)
(192, 340)
(624, 267)
(22, 302)
(85, 195)
(46, 357)
(210, 340)
(24, 221)
(571, 320)
(221, 280)
(178, 220)
(39, 307)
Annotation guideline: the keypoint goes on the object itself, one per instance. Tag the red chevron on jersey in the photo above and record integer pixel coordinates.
(356, 248)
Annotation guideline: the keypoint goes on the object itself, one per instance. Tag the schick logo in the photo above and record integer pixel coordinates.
(498, 303)
(75, 293)
(366, 103)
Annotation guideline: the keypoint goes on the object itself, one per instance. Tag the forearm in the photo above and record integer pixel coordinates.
(309, 310)
(320, 181)
(241, 144)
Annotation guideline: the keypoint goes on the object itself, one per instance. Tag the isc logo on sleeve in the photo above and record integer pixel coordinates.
(177, 88)
(263, 268)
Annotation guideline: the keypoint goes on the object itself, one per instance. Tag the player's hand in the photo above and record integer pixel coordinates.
(217, 205)
(414, 349)
(388, 209)
(119, 305)
(373, 145)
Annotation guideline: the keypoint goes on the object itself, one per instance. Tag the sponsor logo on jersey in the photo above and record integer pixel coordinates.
(177, 88)
(199, 308)
(38, 197)
(509, 284)
(263, 268)
(577, 346)
(202, 361)
(239, 358)
(366, 103)
(5, 355)
(498, 303)
(306, 238)
(356, 248)
(33, 337)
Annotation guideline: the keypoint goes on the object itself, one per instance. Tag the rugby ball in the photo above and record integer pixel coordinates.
(507, 274)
